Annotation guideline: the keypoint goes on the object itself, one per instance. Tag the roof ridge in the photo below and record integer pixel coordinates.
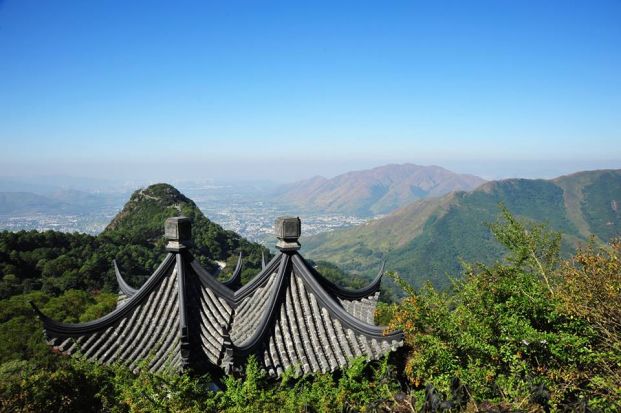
(273, 304)
(285, 313)
(333, 306)
(71, 329)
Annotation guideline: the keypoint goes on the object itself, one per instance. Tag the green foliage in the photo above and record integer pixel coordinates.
(250, 392)
(363, 386)
(601, 205)
(76, 385)
(428, 240)
(20, 332)
(342, 279)
(56, 262)
(589, 287)
(461, 234)
(504, 331)
(67, 386)
(104, 303)
(141, 222)
(158, 392)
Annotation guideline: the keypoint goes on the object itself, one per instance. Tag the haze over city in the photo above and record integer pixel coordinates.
(244, 90)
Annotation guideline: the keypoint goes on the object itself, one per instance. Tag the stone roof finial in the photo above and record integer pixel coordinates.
(165, 322)
(288, 230)
(178, 232)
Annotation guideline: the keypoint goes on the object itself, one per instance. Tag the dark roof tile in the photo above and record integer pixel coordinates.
(289, 316)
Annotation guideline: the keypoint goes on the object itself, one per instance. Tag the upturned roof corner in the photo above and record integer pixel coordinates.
(289, 316)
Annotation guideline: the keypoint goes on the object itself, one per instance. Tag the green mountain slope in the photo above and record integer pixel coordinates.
(142, 221)
(55, 261)
(427, 239)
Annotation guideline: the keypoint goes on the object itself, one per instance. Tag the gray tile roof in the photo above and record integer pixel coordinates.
(144, 328)
(288, 316)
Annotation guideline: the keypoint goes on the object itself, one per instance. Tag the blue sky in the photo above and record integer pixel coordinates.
(304, 88)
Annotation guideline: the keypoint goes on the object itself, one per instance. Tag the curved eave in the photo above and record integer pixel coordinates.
(224, 291)
(209, 281)
(336, 310)
(235, 280)
(123, 286)
(289, 263)
(69, 329)
(353, 294)
(259, 279)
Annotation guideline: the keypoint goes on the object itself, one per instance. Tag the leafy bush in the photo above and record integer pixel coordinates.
(68, 386)
(589, 288)
(505, 332)
(76, 385)
(21, 333)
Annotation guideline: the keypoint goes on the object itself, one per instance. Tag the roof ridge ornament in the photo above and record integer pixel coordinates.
(288, 231)
(288, 316)
(178, 233)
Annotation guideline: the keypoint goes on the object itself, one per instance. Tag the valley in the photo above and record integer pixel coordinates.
(425, 240)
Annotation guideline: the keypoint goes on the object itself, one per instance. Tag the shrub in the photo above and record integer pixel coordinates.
(589, 288)
(506, 331)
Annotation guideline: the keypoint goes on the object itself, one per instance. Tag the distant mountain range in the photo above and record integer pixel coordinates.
(423, 240)
(427, 239)
(375, 191)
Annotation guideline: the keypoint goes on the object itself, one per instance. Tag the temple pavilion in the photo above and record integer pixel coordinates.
(288, 316)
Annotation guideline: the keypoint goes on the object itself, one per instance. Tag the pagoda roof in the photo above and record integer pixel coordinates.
(288, 316)
(234, 281)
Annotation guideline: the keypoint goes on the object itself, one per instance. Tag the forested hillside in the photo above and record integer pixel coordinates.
(427, 239)
(55, 262)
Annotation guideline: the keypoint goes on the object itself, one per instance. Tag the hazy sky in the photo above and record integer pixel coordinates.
(278, 89)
